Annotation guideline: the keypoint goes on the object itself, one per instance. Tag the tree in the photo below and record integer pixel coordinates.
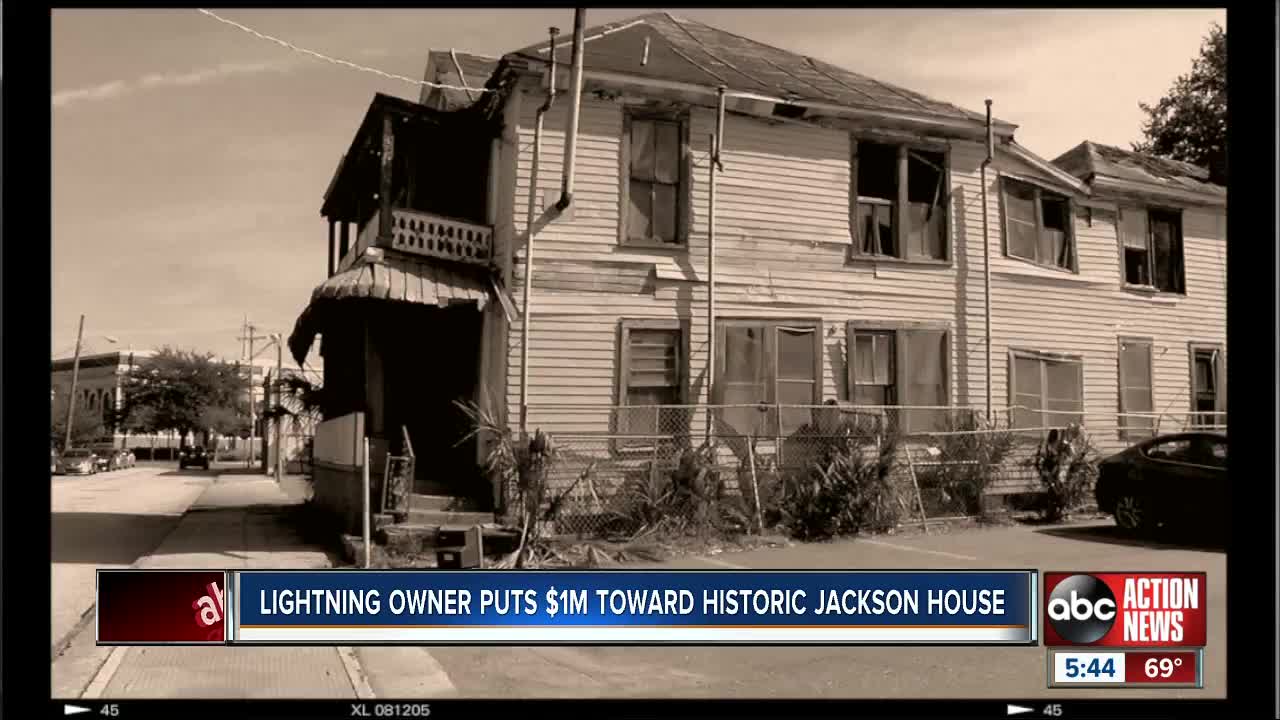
(300, 399)
(86, 427)
(183, 391)
(1190, 122)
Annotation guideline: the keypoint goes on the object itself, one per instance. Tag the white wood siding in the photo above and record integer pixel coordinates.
(782, 238)
(1088, 312)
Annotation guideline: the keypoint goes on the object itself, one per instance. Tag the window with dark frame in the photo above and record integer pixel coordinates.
(770, 364)
(1152, 244)
(1137, 400)
(900, 200)
(1038, 225)
(1208, 400)
(655, 179)
(652, 368)
(901, 366)
(1045, 390)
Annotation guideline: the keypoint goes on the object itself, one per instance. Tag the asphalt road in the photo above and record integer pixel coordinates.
(698, 672)
(861, 672)
(110, 520)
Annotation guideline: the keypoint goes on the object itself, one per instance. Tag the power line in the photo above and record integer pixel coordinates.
(338, 61)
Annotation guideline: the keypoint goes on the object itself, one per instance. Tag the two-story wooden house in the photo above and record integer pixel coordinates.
(849, 252)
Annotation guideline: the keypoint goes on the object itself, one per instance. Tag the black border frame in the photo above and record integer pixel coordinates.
(1252, 670)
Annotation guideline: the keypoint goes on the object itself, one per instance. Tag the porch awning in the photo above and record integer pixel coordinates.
(393, 279)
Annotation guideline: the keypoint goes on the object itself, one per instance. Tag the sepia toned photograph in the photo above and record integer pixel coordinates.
(597, 290)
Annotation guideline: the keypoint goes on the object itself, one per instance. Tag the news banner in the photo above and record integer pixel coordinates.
(1099, 630)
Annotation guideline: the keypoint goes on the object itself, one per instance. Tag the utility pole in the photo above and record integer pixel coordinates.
(279, 403)
(75, 379)
(250, 337)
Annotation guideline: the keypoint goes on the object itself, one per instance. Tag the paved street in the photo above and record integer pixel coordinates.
(238, 523)
(110, 520)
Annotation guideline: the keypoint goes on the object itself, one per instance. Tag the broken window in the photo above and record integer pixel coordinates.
(1136, 401)
(1136, 247)
(881, 227)
(1152, 246)
(652, 376)
(1208, 399)
(771, 365)
(926, 226)
(654, 197)
(877, 198)
(1048, 391)
(1038, 225)
(907, 367)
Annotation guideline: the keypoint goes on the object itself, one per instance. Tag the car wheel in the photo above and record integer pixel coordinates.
(1132, 514)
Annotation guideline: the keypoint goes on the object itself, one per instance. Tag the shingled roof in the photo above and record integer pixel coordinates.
(688, 51)
(1089, 159)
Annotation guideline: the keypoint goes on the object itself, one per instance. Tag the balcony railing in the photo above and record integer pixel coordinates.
(423, 233)
(426, 234)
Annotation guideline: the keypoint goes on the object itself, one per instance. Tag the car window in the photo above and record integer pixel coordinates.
(1176, 450)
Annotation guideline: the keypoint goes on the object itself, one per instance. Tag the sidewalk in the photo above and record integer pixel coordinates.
(241, 521)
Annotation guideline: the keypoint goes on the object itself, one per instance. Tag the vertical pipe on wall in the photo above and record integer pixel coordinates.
(530, 219)
(712, 167)
(986, 257)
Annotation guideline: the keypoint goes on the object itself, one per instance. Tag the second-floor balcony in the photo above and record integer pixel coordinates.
(415, 181)
(427, 234)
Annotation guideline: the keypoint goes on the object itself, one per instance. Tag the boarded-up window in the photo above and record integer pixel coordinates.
(1166, 250)
(763, 367)
(1046, 391)
(654, 193)
(884, 178)
(901, 367)
(652, 371)
(1137, 404)
(1208, 396)
(1038, 225)
(924, 359)
(1151, 241)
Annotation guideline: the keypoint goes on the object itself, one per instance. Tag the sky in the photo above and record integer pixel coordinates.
(190, 158)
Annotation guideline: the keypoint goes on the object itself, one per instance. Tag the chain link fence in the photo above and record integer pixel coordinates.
(946, 462)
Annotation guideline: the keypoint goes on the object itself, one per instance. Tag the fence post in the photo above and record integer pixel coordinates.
(911, 467)
(755, 485)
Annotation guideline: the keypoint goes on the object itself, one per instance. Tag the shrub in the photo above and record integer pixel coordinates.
(689, 499)
(1066, 464)
(969, 455)
(846, 490)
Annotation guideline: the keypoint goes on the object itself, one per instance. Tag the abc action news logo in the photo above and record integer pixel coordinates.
(1125, 609)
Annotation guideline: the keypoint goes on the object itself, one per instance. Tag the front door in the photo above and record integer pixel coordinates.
(433, 367)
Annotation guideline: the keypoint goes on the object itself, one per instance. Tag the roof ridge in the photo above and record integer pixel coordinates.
(680, 22)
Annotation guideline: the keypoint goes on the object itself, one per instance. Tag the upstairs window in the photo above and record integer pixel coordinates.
(1151, 241)
(654, 150)
(900, 200)
(1037, 225)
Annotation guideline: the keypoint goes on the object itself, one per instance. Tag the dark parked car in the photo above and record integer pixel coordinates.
(1167, 482)
(195, 456)
(102, 461)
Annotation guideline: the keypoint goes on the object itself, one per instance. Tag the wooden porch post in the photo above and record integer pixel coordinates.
(331, 248)
(384, 188)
